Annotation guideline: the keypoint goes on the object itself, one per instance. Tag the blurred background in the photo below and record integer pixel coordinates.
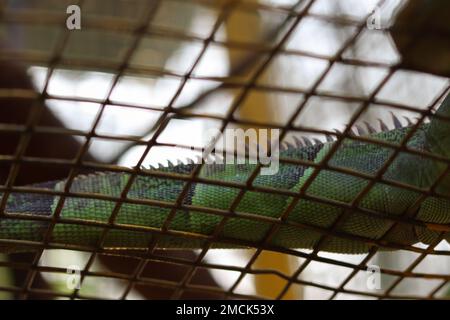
(189, 68)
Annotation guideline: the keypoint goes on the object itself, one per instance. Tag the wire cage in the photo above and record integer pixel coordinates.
(303, 67)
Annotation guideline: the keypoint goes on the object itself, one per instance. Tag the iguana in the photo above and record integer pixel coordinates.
(355, 233)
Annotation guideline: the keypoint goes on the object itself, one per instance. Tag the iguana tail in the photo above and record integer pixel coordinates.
(308, 220)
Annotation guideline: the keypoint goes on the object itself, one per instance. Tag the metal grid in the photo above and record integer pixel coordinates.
(139, 31)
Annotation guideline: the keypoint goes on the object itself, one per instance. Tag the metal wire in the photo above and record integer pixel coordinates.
(142, 29)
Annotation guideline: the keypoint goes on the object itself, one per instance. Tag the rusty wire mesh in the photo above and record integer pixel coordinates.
(137, 30)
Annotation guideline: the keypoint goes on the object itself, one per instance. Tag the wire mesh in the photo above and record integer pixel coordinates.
(132, 32)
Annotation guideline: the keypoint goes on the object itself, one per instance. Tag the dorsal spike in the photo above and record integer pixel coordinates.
(317, 141)
(307, 141)
(396, 121)
(383, 126)
(170, 164)
(289, 145)
(352, 132)
(337, 131)
(360, 130)
(369, 128)
(329, 138)
(298, 142)
(408, 120)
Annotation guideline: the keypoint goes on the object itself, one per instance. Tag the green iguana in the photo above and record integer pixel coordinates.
(384, 199)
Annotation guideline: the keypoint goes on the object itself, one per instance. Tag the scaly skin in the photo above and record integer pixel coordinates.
(367, 158)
